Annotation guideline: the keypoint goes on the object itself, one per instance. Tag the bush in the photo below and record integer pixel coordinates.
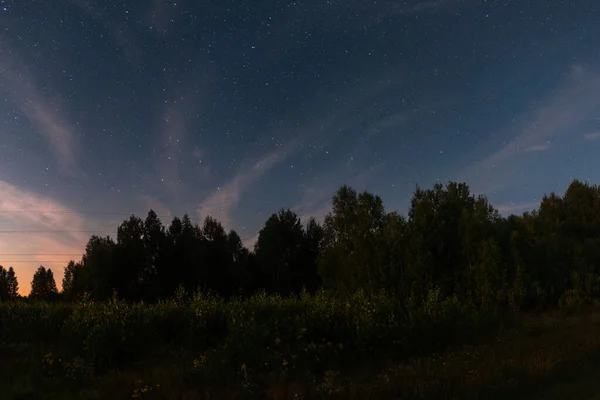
(253, 338)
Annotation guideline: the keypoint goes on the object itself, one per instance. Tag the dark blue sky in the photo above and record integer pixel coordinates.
(236, 109)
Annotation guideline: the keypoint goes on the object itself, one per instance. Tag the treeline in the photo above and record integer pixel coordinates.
(451, 242)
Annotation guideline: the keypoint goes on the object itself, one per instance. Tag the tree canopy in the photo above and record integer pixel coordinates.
(451, 241)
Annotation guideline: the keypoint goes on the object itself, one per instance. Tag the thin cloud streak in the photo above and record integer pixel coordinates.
(574, 102)
(222, 202)
(225, 199)
(591, 136)
(41, 113)
(538, 148)
(570, 105)
(152, 203)
(513, 208)
(316, 199)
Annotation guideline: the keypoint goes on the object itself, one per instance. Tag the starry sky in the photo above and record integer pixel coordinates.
(235, 109)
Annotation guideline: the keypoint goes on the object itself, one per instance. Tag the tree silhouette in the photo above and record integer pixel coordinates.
(3, 284)
(72, 283)
(451, 241)
(12, 284)
(352, 243)
(43, 286)
(100, 272)
(311, 248)
(279, 250)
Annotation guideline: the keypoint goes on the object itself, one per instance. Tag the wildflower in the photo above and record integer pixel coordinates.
(285, 362)
(277, 341)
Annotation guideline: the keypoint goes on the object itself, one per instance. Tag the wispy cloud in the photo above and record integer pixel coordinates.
(324, 126)
(568, 106)
(173, 144)
(316, 198)
(225, 199)
(515, 208)
(250, 242)
(23, 214)
(592, 136)
(160, 208)
(44, 114)
(538, 147)
(574, 101)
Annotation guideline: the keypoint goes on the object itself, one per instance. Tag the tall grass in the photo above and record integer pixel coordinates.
(247, 341)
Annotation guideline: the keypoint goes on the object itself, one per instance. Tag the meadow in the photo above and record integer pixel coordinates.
(310, 346)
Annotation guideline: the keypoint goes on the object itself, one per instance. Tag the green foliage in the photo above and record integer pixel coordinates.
(265, 333)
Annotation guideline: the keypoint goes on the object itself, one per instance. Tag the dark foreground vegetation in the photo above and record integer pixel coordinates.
(454, 301)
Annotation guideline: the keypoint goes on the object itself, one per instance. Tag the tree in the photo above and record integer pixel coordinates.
(446, 228)
(43, 286)
(3, 284)
(154, 243)
(131, 259)
(100, 271)
(311, 248)
(12, 283)
(278, 250)
(72, 283)
(219, 252)
(352, 250)
(240, 276)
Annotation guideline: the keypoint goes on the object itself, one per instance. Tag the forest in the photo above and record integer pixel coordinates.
(364, 287)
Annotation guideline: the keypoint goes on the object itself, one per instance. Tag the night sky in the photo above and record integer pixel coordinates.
(235, 109)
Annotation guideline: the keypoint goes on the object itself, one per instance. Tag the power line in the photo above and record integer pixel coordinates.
(39, 254)
(77, 212)
(58, 231)
(33, 261)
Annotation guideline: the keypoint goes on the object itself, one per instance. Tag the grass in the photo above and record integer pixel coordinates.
(270, 348)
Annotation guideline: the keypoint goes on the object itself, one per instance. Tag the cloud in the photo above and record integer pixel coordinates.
(592, 136)
(574, 101)
(42, 113)
(538, 147)
(327, 123)
(316, 199)
(250, 242)
(514, 208)
(225, 199)
(22, 210)
(152, 203)
(571, 104)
